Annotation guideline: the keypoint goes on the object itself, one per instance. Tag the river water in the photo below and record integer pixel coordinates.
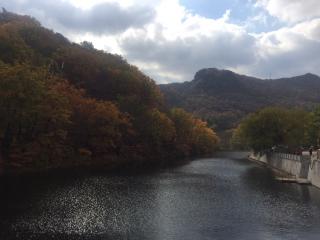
(215, 198)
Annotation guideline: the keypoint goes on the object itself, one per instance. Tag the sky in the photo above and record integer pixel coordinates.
(170, 40)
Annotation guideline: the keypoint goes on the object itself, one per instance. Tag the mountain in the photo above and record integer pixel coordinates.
(223, 97)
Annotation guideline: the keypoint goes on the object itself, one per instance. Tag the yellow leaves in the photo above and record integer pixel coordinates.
(194, 132)
(161, 128)
(96, 125)
(12, 47)
(205, 138)
(49, 114)
(32, 114)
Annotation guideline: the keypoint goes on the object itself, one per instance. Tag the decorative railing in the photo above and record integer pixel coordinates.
(288, 156)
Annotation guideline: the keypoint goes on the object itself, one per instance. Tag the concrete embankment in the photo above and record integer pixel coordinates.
(300, 167)
(314, 172)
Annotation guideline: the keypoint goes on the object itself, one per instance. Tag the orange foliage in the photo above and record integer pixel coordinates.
(63, 104)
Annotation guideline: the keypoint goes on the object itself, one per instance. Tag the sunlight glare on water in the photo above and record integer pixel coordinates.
(217, 198)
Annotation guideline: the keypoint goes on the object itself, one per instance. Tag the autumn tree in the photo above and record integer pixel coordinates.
(33, 115)
(65, 104)
(205, 139)
(98, 127)
(158, 132)
(193, 135)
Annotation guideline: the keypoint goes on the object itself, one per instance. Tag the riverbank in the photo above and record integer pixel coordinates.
(118, 167)
(112, 164)
(303, 168)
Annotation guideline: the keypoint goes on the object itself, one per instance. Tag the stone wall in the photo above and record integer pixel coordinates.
(299, 166)
(314, 172)
(295, 165)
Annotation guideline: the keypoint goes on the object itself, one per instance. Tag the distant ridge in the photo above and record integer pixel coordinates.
(224, 97)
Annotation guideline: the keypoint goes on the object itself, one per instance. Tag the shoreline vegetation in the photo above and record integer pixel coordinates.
(279, 129)
(65, 105)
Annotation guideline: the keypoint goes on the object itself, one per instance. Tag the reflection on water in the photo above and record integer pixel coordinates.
(216, 198)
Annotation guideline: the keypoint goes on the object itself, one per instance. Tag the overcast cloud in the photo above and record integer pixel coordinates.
(291, 10)
(102, 18)
(170, 42)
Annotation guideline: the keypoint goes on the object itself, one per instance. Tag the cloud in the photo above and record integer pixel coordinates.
(288, 51)
(175, 50)
(102, 18)
(171, 43)
(182, 57)
(178, 48)
(291, 10)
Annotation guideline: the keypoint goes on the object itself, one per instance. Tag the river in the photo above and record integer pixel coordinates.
(215, 198)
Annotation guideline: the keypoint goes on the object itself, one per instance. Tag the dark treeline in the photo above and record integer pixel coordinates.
(290, 129)
(64, 104)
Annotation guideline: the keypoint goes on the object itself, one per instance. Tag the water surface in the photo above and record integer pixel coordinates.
(217, 198)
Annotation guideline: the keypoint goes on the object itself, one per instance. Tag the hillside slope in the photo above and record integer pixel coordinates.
(64, 104)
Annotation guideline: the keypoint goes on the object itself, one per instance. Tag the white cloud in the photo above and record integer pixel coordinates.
(190, 42)
(173, 43)
(291, 10)
(288, 51)
(104, 17)
(180, 43)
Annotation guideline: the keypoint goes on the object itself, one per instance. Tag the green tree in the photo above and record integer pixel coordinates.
(314, 127)
(272, 126)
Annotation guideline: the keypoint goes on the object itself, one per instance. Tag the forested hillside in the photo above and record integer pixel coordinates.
(63, 104)
(224, 98)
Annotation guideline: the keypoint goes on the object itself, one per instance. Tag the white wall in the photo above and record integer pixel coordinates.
(288, 163)
(314, 173)
(291, 164)
(259, 157)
